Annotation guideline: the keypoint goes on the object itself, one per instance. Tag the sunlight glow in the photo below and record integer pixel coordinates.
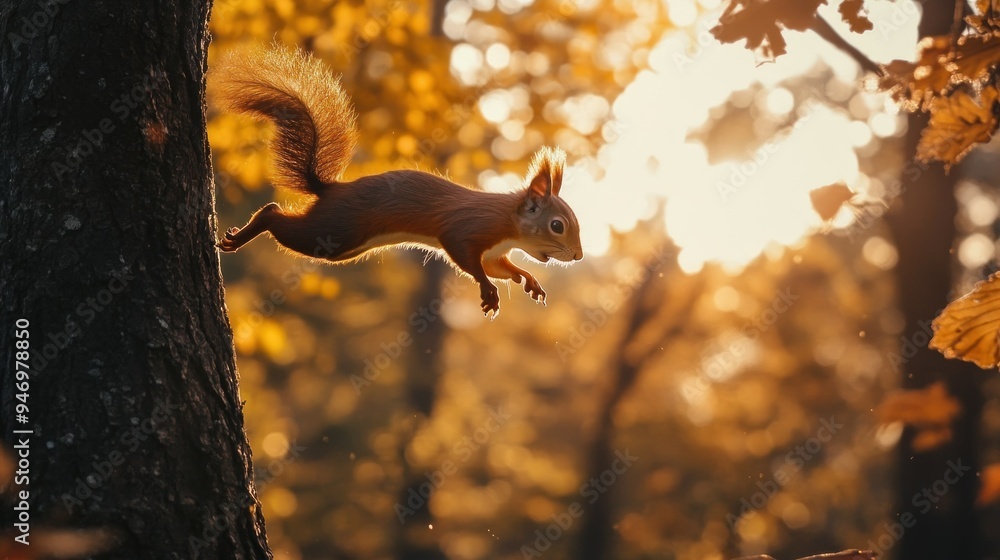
(976, 250)
(466, 62)
(880, 253)
(730, 212)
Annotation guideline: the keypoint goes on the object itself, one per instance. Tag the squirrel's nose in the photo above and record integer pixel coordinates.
(578, 255)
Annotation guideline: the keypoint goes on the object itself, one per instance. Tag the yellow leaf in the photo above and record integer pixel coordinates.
(928, 439)
(989, 485)
(852, 11)
(967, 329)
(957, 124)
(916, 84)
(761, 24)
(421, 81)
(942, 64)
(930, 408)
(930, 411)
(827, 201)
(974, 57)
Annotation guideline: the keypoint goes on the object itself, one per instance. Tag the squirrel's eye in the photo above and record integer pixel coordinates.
(557, 226)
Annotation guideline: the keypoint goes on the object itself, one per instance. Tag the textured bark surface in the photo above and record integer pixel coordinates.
(922, 222)
(107, 231)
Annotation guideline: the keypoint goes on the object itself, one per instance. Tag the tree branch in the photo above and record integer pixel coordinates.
(958, 21)
(852, 554)
(823, 29)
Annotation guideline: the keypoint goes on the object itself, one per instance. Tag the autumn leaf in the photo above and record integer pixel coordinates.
(930, 411)
(989, 485)
(929, 438)
(974, 57)
(761, 22)
(852, 11)
(827, 201)
(967, 329)
(7, 467)
(852, 554)
(942, 64)
(58, 543)
(984, 21)
(915, 85)
(957, 124)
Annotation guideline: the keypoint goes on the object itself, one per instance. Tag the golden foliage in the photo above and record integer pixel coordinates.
(852, 11)
(914, 85)
(735, 389)
(989, 485)
(761, 23)
(958, 122)
(929, 410)
(973, 58)
(828, 200)
(969, 327)
(939, 82)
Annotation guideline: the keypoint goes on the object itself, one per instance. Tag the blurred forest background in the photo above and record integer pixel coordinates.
(734, 343)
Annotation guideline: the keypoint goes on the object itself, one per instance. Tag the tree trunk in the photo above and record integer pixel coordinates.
(107, 231)
(416, 540)
(922, 222)
(597, 537)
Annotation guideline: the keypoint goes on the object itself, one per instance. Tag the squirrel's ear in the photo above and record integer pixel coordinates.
(546, 173)
(557, 175)
(540, 185)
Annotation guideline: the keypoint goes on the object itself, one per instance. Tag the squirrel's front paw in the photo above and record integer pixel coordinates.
(228, 243)
(534, 289)
(491, 300)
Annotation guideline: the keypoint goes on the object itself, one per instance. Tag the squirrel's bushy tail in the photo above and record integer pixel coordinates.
(315, 133)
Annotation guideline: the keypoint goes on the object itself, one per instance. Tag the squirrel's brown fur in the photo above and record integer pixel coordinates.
(315, 134)
(313, 143)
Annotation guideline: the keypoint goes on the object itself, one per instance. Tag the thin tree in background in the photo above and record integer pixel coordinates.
(922, 223)
(649, 327)
(951, 92)
(417, 540)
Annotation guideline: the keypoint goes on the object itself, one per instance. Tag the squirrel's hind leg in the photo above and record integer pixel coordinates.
(258, 224)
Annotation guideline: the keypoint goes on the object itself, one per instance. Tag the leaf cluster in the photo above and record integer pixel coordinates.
(954, 78)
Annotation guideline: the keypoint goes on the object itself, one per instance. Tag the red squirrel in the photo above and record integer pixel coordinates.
(314, 140)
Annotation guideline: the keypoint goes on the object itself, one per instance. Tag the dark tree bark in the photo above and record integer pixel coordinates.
(107, 232)
(922, 222)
